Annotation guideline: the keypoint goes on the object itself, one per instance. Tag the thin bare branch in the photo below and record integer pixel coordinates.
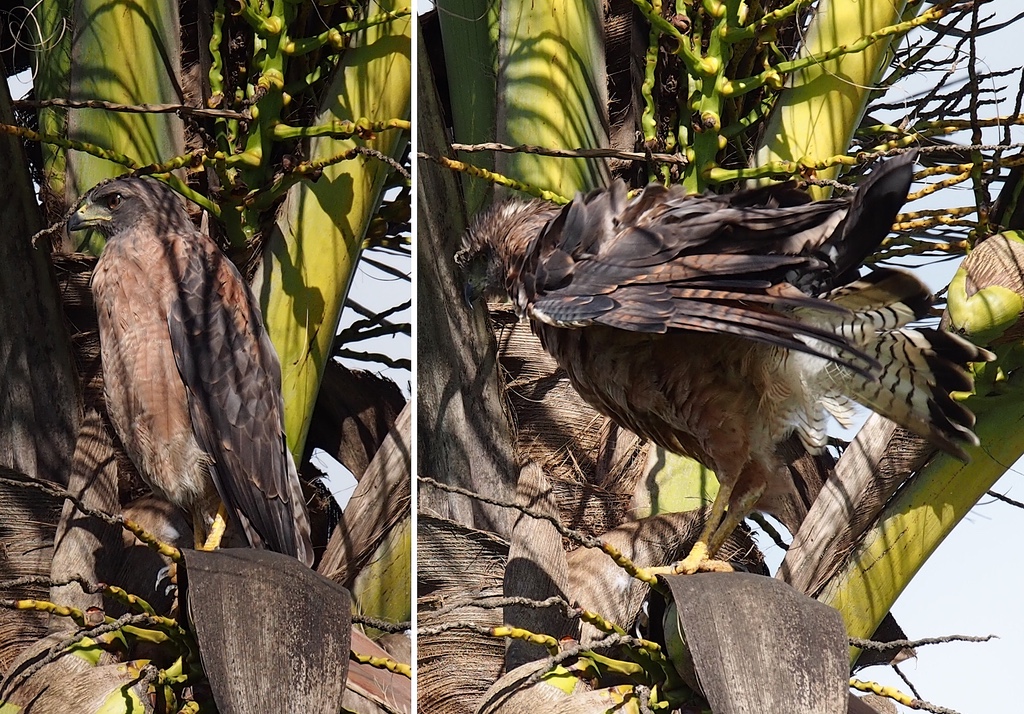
(180, 109)
(676, 158)
(914, 644)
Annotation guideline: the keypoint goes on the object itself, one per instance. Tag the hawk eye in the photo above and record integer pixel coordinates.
(114, 200)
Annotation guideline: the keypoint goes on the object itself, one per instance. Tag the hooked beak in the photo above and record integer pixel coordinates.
(474, 274)
(469, 295)
(88, 215)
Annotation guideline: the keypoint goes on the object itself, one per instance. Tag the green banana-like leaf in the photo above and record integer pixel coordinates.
(674, 484)
(382, 587)
(84, 51)
(471, 31)
(821, 106)
(105, 36)
(552, 91)
(315, 244)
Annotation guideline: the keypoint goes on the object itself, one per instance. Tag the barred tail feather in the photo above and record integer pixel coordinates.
(885, 298)
(920, 367)
(916, 368)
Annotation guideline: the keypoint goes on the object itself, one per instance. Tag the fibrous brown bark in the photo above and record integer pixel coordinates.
(464, 435)
(39, 402)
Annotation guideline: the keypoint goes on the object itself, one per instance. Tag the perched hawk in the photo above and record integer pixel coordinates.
(192, 382)
(717, 326)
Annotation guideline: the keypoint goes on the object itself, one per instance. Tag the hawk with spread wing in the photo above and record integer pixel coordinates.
(719, 325)
(191, 379)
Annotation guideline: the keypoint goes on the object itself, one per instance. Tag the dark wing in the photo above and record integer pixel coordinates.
(734, 264)
(233, 379)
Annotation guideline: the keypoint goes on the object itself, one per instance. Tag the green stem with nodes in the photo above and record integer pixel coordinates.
(907, 63)
(775, 17)
(340, 129)
(772, 169)
(883, 690)
(192, 159)
(332, 37)
(70, 144)
(499, 179)
(785, 168)
(733, 8)
(216, 74)
(223, 129)
(155, 637)
(517, 633)
(648, 120)
(601, 666)
(707, 104)
(76, 615)
(267, 96)
(864, 42)
(307, 170)
(601, 623)
(696, 65)
(335, 35)
(265, 26)
(384, 663)
(773, 76)
(185, 190)
(756, 115)
(925, 129)
(128, 599)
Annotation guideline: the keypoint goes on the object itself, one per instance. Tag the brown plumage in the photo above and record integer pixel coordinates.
(718, 326)
(192, 382)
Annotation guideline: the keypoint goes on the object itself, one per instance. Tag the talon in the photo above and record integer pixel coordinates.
(169, 575)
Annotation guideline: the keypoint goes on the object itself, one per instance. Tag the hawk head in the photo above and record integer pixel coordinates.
(496, 244)
(115, 206)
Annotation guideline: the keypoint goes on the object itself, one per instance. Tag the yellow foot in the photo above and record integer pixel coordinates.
(699, 561)
(220, 523)
(696, 561)
(708, 565)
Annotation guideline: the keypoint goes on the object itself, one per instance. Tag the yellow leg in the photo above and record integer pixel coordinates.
(198, 530)
(701, 552)
(220, 522)
(734, 516)
(705, 547)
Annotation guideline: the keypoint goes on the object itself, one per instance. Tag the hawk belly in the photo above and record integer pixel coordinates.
(145, 396)
(724, 401)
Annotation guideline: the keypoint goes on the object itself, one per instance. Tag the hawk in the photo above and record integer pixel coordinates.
(191, 379)
(717, 326)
